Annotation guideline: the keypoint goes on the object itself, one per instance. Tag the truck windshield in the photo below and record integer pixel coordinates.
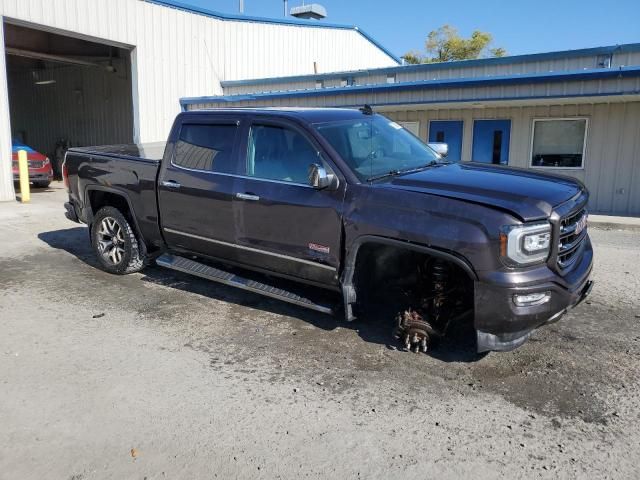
(376, 147)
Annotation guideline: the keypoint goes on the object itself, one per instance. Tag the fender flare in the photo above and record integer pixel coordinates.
(120, 193)
(348, 289)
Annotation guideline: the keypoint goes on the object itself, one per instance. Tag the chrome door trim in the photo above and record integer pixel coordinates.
(251, 249)
(237, 175)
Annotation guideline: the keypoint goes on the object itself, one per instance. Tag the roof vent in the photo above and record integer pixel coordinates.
(315, 11)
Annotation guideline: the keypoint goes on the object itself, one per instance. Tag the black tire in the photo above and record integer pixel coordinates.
(115, 243)
(41, 184)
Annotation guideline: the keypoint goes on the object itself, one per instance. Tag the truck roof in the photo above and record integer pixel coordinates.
(311, 115)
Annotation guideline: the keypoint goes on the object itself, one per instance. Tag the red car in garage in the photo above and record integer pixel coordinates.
(40, 170)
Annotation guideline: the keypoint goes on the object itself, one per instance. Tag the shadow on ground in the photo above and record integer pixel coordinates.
(375, 326)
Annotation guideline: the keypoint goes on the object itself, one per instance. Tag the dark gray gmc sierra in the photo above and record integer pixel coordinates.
(346, 207)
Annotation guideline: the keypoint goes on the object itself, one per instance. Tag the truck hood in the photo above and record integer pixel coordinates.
(524, 193)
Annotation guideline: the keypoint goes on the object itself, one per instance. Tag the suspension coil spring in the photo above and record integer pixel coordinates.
(440, 277)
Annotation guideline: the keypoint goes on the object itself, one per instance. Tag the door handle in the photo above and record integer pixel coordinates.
(170, 184)
(248, 196)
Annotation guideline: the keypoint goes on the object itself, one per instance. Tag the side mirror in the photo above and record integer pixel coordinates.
(440, 148)
(319, 178)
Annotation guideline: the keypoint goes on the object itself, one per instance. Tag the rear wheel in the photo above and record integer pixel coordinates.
(115, 242)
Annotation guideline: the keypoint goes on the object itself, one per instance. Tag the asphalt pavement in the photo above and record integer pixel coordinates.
(160, 375)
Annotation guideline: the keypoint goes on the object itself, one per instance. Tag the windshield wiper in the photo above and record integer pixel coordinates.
(393, 173)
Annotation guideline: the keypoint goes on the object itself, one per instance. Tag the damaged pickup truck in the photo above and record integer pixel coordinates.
(346, 207)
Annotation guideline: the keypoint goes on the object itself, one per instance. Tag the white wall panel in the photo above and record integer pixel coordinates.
(6, 176)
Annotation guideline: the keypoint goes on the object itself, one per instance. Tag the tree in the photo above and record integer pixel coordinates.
(413, 58)
(445, 44)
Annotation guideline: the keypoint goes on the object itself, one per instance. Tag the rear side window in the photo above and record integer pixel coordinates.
(206, 147)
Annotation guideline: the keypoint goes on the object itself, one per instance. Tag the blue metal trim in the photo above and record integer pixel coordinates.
(530, 57)
(473, 100)
(245, 18)
(495, 99)
(594, 74)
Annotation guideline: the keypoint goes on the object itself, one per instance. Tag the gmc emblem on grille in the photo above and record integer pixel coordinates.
(581, 224)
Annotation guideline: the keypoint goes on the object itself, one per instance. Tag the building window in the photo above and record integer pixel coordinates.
(391, 78)
(347, 82)
(558, 143)
(319, 83)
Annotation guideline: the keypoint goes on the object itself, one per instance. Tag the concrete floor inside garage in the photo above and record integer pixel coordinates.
(161, 375)
(66, 91)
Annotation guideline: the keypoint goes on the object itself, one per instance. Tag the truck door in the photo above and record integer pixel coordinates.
(196, 187)
(287, 226)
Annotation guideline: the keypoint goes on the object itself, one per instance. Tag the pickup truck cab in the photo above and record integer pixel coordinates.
(344, 202)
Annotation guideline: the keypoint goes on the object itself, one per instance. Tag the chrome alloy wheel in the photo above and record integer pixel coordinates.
(110, 240)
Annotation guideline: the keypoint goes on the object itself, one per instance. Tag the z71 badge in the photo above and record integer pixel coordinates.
(316, 247)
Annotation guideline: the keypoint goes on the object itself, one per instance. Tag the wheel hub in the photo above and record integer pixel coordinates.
(110, 240)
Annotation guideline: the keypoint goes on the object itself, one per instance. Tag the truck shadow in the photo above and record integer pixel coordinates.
(375, 325)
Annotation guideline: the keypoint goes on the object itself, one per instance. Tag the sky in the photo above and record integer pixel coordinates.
(519, 26)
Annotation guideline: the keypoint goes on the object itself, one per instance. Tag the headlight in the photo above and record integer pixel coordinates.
(526, 244)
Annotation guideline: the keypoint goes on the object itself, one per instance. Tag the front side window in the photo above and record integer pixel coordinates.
(558, 143)
(206, 147)
(279, 153)
(374, 146)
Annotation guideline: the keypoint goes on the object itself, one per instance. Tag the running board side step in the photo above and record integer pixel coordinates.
(207, 272)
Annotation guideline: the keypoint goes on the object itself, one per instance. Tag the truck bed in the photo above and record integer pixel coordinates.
(127, 170)
(141, 151)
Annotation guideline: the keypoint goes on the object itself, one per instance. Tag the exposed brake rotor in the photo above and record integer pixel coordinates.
(415, 333)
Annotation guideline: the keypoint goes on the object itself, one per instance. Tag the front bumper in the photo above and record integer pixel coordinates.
(46, 176)
(501, 325)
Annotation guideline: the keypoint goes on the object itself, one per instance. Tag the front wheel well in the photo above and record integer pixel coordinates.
(420, 291)
(381, 265)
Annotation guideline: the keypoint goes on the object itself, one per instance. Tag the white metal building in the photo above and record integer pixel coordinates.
(573, 112)
(113, 71)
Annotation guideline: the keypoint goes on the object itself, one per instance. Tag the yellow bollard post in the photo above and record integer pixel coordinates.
(23, 168)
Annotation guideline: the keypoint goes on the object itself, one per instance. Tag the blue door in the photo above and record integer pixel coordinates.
(449, 132)
(491, 141)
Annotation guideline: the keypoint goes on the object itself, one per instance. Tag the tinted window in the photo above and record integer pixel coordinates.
(278, 153)
(206, 147)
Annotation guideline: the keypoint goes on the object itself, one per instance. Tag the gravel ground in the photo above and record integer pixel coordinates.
(160, 375)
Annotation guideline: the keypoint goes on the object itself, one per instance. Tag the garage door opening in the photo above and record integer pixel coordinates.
(65, 91)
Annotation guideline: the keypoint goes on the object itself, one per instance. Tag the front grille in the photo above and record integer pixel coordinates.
(573, 232)
(36, 164)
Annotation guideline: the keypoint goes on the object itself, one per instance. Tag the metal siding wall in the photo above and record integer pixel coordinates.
(612, 155)
(274, 50)
(441, 72)
(426, 95)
